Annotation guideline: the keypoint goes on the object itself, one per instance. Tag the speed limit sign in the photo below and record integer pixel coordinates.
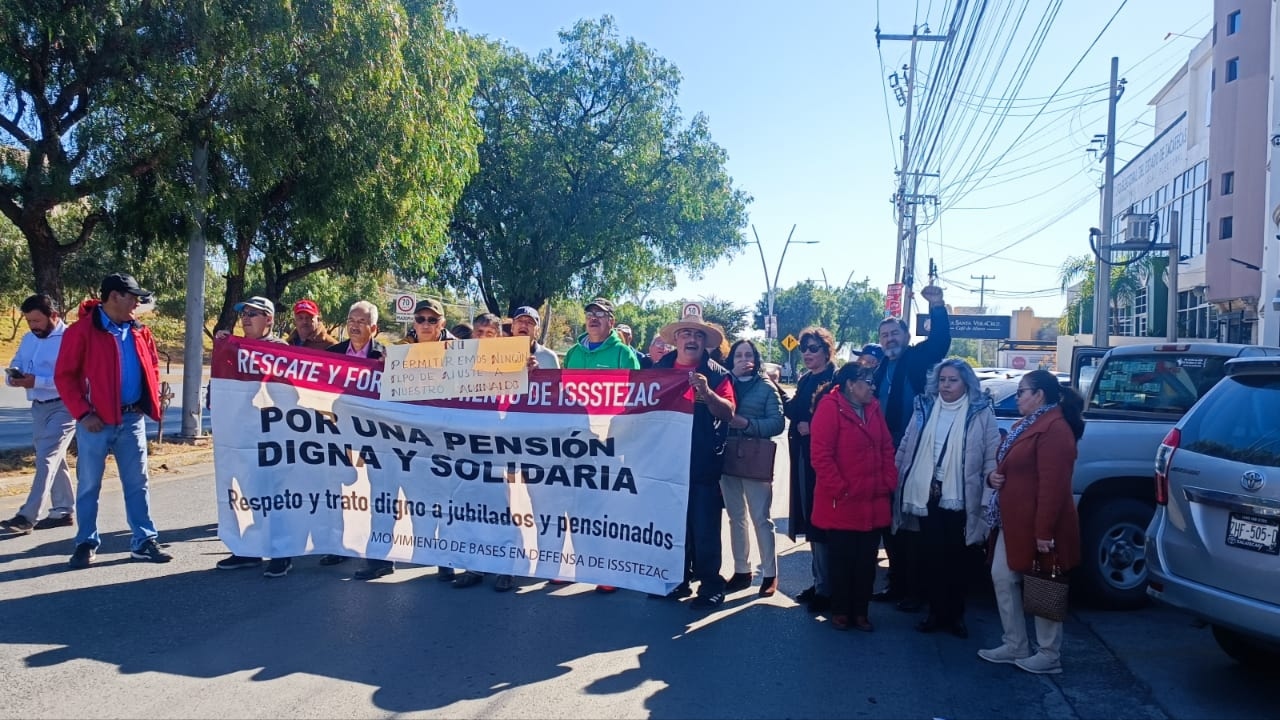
(404, 305)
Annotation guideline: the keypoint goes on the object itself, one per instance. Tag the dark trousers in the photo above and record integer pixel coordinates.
(903, 551)
(702, 552)
(945, 561)
(853, 570)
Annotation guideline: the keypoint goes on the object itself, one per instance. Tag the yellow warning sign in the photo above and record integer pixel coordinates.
(790, 342)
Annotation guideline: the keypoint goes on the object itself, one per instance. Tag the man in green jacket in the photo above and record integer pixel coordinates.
(600, 348)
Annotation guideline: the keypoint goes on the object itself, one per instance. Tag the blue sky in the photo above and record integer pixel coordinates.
(795, 94)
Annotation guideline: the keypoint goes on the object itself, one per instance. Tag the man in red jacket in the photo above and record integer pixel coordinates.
(108, 375)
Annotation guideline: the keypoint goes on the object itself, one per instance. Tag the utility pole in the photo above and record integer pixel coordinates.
(193, 334)
(982, 290)
(906, 238)
(1102, 267)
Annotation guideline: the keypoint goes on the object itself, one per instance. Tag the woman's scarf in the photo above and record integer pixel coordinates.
(947, 469)
(993, 509)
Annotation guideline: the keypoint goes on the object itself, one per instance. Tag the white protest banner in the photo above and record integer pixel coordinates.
(456, 368)
(584, 477)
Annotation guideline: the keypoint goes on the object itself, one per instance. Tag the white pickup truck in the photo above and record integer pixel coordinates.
(1133, 396)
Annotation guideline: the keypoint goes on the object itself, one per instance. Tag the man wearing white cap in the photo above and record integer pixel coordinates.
(525, 323)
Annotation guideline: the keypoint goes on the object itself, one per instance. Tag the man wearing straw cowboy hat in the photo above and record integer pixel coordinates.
(711, 389)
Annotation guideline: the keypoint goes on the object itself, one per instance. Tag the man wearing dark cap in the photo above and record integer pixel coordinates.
(428, 321)
(308, 330)
(526, 322)
(600, 348)
(108, 375)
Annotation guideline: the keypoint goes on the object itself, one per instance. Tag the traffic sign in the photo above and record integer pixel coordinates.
(404, 305)
(790, 342)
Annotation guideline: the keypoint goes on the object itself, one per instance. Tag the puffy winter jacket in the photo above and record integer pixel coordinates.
(853, 463)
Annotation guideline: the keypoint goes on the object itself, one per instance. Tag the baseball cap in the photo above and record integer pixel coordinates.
(871, 351)
(526, 311)
(601, 303)
(431, 304)
(623, 328)
(120, 282)
(257, 302)
(307, 306)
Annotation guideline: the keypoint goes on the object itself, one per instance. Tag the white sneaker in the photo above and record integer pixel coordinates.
(1001, 655)
(1040, 664)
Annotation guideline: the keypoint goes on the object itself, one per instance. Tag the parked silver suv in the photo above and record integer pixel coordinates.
(1214, 543)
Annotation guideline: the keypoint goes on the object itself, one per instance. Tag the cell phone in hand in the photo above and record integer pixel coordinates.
(15, 373)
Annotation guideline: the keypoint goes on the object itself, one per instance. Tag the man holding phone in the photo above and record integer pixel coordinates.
(52, 426)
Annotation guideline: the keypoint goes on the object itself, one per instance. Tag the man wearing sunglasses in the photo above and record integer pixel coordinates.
(600, 348)
(428, 322)
(256, 316)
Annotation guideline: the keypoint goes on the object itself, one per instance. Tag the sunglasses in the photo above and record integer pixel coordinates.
(426, 320)
(599, 314)
(812, 348)
(1019, 391)
(252, 314)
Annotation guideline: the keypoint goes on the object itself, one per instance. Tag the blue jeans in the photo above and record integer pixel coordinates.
(703, 553)
(128, 441)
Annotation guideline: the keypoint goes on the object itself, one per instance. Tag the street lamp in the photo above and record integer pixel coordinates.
(771, 287)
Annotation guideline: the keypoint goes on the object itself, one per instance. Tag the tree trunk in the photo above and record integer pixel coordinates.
(235, 286)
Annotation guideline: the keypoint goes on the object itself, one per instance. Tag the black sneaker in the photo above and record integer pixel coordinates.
(708, 602)
(235, 562)
(739, 581)
(17, 525)
(151, 552)
(83, 556)
(52, 522)
(333, 559)
(278, 567)
(374, 569)
(680, 592)
(445, 574)
(467, 579)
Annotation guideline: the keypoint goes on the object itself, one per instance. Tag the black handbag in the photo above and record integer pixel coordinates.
(750, 457)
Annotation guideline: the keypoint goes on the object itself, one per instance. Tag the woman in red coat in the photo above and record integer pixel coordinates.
(1033, 513)
(854, 479)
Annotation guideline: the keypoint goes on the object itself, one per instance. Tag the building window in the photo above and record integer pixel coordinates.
(1228, 183)
(1233, 23)
(1224, 228)
(1233, 69)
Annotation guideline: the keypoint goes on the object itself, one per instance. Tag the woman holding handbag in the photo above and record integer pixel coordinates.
(1033, 515)
(747, 482)
(853, 460)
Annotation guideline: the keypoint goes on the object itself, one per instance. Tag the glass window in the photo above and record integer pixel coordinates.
(1224, 228)
(1178, 187)
(1228, 183)
(1239, 422)
(1233, 69)
(1233, 23)
(1202, 171)
(1156, 382)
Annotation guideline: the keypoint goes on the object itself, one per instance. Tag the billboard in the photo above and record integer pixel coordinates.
(976, 327)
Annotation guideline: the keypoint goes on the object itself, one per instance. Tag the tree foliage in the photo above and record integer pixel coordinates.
(1127, 282)
(852, 313)
(80, 114)
(589, 179)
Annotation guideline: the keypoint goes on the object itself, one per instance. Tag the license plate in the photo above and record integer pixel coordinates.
(1252, 532)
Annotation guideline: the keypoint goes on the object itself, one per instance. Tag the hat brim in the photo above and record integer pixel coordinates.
(714, 336)
(239, 307)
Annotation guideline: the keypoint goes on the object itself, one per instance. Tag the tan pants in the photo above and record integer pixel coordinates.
(748, 503)
(1008, 586)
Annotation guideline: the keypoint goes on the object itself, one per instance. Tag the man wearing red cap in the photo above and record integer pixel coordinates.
(308, 331)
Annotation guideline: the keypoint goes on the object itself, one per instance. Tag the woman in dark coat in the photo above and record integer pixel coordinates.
(817, 346)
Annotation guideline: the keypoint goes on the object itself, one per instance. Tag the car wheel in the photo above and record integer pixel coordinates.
(1113, 573)
(1245, 651)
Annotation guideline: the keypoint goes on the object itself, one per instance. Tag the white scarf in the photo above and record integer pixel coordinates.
(915, 490)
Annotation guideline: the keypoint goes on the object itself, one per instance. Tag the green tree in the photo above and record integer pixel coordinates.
(589, 178)
(733, 318)
(80, 83)
(1126, 284)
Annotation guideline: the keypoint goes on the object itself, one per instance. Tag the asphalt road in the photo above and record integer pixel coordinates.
(15, 417)
(127, 639)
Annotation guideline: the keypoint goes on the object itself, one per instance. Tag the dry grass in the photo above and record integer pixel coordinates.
(165, 458)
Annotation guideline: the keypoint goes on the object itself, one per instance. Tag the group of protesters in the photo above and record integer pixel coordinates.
(896, 447)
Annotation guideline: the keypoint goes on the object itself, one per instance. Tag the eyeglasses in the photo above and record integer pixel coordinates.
(1021, 390)
(599, 314)
(252, 314)
(358, 321)
(812, 348)
(426, 320)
